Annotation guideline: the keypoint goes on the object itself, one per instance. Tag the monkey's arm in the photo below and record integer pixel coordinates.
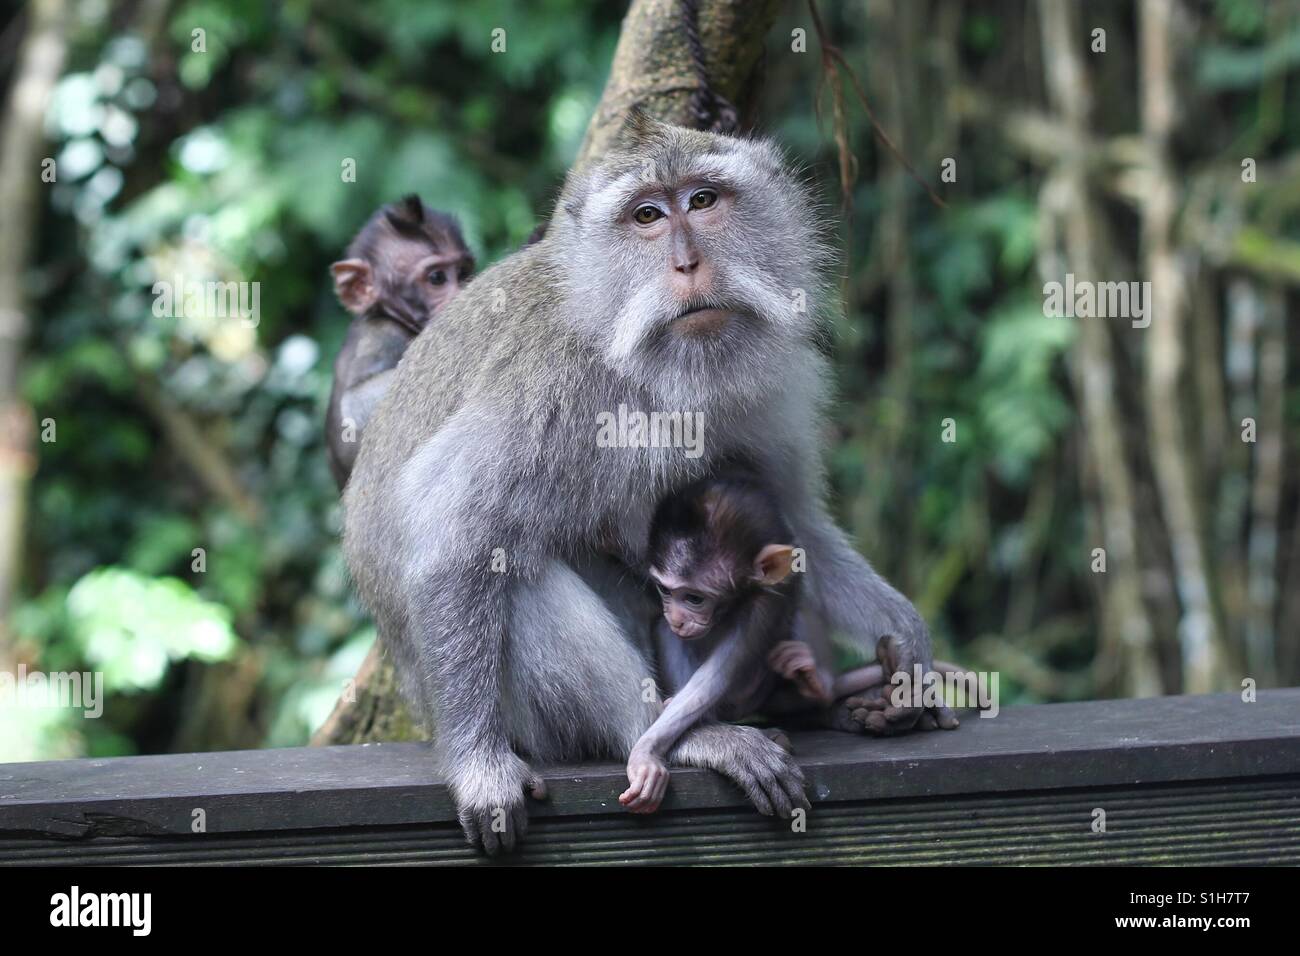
(350, 409)
(739, 652)
(807, 659)
(708, 687)
(367, 365)
(363, 372)
(859, 603)
(361, 399)
(795, 662)
(458, 611)
(840, 586)
(465, 629)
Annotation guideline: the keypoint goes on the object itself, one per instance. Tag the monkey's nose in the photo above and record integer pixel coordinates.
(686, 263)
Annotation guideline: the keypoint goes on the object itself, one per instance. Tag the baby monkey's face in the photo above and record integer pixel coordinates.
(694, 602)
(689, 608)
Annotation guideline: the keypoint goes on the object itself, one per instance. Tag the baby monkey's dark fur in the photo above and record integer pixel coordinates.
(404, 265)
(710, 536)
(720, 555)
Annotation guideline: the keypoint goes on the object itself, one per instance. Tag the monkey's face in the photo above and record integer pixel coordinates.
(407, 262)
(702, 254)
(689, 610)
(426, 277)
(696, 599)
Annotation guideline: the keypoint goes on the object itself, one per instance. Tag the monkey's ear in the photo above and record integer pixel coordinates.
(773, 564)
(354, 284)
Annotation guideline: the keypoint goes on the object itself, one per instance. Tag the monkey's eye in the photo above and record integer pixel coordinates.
(663, 591)
(703, 198)
(694, 600)
(646, 214)
(464, 273)
(437, 277)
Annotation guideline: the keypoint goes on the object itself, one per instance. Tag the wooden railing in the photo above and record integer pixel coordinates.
(1176, 780)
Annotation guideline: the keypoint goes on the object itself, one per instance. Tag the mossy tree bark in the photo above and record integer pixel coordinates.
(22, 141)
(652, 68)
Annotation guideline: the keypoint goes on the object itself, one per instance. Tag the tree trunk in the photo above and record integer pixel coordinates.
(652, 69)
(1128, 637)
(1172, 456)
(21, 141)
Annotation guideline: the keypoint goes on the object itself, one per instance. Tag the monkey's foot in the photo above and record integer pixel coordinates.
(868, 712)
(794, 661)
(490, 803)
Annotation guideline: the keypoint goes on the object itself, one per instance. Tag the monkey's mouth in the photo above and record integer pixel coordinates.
(705, 321)
(690, 631)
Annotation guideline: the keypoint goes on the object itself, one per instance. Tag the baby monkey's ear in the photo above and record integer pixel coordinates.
(354, 284)
(772, 565)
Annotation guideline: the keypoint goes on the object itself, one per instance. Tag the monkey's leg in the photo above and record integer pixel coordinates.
(578, 686)
(859, 679)
(860, 604)
(864, 691)
(872, 675)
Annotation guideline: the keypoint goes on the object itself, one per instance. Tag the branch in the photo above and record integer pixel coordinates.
(652, 64)
(832, 58)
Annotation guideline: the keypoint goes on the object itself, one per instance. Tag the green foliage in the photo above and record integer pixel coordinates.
(131, 627)
(1020, 403)
(1230, 68)
(226, 165)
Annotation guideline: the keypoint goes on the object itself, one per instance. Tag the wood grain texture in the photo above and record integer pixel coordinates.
(1031, 758)
(1250, 821)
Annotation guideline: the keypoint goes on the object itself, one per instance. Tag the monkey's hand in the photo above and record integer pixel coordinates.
(490, 801)
(751, 760)
(794, 661)
(648, 775)
(877, 713)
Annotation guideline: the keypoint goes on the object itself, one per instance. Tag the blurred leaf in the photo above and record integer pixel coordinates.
(131, 626)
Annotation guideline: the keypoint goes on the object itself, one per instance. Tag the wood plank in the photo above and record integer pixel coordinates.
(1092, 744)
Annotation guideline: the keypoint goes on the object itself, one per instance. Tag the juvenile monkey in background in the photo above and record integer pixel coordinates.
(720, 556)
(404, 265)
(680, 271)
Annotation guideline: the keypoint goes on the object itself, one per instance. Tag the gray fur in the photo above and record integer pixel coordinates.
(487, 440)
(363, 371)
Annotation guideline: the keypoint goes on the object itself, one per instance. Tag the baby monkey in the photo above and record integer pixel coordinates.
(405, 264)
(721, 555)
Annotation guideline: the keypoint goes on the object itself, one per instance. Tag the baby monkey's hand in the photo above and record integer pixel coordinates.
(794, 661)
(648, 776)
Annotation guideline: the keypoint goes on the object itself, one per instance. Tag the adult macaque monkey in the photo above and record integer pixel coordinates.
(404, 265)
(673, 276)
